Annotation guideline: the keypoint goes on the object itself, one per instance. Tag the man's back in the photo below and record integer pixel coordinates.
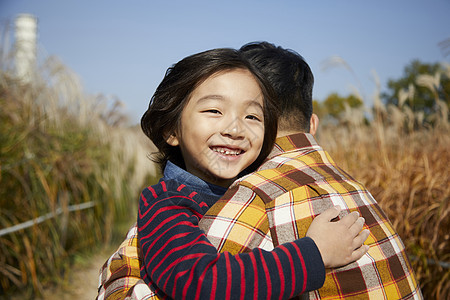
(299, 182)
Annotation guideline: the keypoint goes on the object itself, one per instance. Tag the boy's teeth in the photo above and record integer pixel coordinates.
(227, 151)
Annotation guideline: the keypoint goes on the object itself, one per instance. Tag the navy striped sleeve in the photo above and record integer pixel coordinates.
(180, 262)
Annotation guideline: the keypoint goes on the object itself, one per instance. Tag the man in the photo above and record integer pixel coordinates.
(298, 181)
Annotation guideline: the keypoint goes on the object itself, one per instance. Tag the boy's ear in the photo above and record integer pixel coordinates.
(172, 140)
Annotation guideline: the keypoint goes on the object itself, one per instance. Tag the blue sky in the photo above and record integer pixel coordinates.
(124, 48)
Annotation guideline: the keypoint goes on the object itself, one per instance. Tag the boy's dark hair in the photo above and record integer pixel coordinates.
(290, 77)
(163, 115)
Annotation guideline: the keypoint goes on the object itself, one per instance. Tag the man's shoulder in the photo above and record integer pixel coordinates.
(272, 178)
(294, 158)
(299, 168)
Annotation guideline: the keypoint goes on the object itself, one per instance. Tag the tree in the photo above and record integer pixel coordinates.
(425, 84)
(319, 109)
(334, 104)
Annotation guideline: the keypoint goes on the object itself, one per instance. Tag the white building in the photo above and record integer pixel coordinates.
(25, 46)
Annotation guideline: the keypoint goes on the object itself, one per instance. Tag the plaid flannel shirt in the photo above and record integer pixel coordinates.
(278, 203)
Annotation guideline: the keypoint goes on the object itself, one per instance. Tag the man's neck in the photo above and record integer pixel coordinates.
(282, 133)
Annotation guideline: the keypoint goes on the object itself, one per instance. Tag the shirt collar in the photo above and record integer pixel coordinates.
(292, 142)
(174, 172)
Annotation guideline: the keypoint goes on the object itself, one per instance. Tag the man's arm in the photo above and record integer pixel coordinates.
(238, 223)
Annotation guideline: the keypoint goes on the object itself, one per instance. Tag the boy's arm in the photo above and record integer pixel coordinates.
(120, 275)
(239, 222)
(180, 262)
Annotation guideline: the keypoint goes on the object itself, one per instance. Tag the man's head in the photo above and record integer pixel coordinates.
(292, 80)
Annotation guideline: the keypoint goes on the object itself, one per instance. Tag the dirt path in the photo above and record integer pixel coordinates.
(83, 281)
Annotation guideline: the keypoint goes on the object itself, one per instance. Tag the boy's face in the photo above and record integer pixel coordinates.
(222, 127)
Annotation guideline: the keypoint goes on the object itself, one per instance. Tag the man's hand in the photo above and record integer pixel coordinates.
(340, 242)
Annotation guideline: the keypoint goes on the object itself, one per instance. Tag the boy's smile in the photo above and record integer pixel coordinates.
(222, 127)
(227, 151)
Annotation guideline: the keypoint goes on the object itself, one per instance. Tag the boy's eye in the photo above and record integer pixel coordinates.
(212, 111)
(252, 117)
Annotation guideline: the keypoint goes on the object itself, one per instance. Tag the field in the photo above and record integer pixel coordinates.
(71, 173)
(73, 164)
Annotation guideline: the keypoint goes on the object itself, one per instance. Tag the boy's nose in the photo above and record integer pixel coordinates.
(234, 129)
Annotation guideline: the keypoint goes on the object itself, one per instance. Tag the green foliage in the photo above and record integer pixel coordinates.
(340, 110)
(319, 109)
(423, 91)
(335, 104)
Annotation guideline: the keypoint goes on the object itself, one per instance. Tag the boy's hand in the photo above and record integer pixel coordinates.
(340, 242)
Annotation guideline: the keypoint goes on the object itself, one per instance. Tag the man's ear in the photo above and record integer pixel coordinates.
(172, 140)
(313, 124)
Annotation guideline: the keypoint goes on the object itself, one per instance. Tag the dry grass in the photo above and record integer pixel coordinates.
(58, 148)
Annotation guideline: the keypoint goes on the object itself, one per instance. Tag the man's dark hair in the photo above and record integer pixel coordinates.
(290, 77)
(163, 115)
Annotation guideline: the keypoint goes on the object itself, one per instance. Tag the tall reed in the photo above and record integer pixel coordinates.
(60, 147)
